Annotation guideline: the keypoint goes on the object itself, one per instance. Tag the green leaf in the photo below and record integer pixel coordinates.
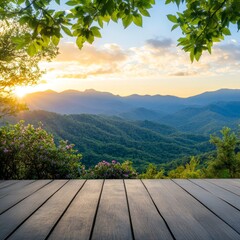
(31, 50)
(114, 16)
(80, 40)
(106, 18)
(20, 2)
(172, 18)
(127, 21)
(100, 22)
(90, 38)
(95, 31)
(71, 3)
(67, 31)
(137, 20)
(238, 24)
(144, 12)
(226, 31)
(17, 40)
(57, 1)
(46, 40)
(174, 26)
(209, 47)
(55, 40)
(24, 19)
(198, 55)
(192, 55)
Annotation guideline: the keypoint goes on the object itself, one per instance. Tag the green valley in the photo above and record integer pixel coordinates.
(106, 138)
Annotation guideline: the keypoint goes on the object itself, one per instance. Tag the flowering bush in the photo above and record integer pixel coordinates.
(113, 170)
(30, 153)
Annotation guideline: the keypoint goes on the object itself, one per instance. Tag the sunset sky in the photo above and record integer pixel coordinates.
(143, 61)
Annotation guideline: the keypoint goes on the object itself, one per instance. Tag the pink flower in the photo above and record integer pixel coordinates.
(5, 150)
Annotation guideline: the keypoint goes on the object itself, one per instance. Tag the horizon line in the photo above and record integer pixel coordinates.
(136, 94)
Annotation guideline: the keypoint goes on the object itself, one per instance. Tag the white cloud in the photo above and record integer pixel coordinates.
(157, 58)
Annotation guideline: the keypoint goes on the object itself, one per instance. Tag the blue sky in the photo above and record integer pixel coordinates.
(143, 61)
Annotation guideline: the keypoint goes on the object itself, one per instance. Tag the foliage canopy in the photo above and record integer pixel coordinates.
(202, 22)
(17, 67)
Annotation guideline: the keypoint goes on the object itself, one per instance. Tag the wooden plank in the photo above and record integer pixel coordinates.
(7, 183)
(112, 220)
(222, 209)
(146, 221)
(39, 225)
(226, 185)
(12, 218)
(185, 216)
(234, 181)
(227, 196)
(14, 187)
(77, 221)
(13, 198)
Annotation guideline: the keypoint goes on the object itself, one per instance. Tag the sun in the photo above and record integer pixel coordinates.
(20, 92)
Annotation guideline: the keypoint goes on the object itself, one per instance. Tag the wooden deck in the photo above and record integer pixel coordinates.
(120, 209)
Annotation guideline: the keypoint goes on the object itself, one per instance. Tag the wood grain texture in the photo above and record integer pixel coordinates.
(12, 218)
(77, 221)
(39, 225)
(147, 222)
(220, 192)
(14, 187)
(234, 182)
(226, 185)
(112, 221)
(222, 209)
(186, 217)
(14, 197)
(199, 209)
(7, 183)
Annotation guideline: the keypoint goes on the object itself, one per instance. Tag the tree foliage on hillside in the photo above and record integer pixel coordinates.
(224, 164)
(202, 22)
(108, 138)
(227, 162)
(17, 67)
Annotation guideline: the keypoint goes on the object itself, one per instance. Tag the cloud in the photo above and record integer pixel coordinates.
(231, 50)
(69, 75)
(155, 59)
(89, 73)
(182, 74)
(163, 43)
(90, 55)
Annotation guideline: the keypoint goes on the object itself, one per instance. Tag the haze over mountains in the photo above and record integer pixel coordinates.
(203, 113)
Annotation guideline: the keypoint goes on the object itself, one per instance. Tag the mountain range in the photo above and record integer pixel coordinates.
(204, 113)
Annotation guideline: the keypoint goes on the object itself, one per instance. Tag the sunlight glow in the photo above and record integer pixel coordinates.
(21, 91)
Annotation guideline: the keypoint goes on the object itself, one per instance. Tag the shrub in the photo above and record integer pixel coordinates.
(30, 153)
(113, 170)
(152, 173)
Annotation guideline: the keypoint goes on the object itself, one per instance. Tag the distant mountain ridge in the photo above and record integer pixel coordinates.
(72, 101)
(203, 113)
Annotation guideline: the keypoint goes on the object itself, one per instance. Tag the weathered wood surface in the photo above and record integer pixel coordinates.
(120, 209)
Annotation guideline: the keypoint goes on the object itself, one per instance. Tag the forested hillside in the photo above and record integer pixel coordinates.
(107, 138)
(207, 119)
